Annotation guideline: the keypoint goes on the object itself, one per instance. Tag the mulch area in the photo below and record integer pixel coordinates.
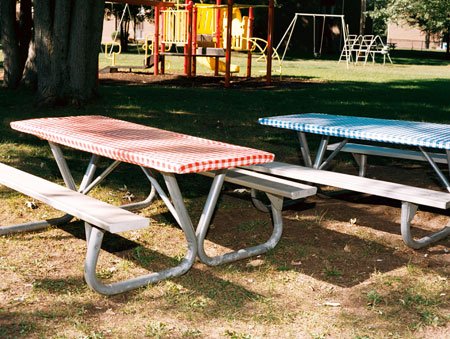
(202, 81)
(122, 78)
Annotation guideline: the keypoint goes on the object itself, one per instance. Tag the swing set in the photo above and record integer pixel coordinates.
(287, 36)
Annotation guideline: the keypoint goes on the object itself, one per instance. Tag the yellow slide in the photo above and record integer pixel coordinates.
(211, 63)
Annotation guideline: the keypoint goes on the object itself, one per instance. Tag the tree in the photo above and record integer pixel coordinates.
(431, 16)
(16, 36)
(62, 49)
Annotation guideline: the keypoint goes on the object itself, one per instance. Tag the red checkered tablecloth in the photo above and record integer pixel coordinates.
(141, 145)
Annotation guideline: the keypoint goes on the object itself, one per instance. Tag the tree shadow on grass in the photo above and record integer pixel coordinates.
(410, 57)
(13, 325)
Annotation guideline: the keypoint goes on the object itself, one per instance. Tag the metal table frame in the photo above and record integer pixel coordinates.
(194, 239)
(320, 162)
(372, 130)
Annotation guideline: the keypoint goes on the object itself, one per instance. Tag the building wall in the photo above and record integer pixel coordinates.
(407, 37)
(142, 30)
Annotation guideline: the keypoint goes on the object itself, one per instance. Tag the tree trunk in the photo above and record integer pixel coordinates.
(16, 36)
(447, 38)
(124, 35)
(427, 40)
(29, 77)
(362, 19)
(67, 40)
(26, 43)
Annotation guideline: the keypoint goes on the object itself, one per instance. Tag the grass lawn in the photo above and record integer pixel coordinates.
(328, 277)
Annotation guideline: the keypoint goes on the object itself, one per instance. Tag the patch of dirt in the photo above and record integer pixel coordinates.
(340, 269)
(179, 80)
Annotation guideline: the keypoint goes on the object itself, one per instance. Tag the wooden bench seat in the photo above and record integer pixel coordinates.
(98, 213)
(410, 196)
(268, 184)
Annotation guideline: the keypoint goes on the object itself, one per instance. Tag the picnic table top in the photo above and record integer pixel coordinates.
(413, 133)
(151, 147)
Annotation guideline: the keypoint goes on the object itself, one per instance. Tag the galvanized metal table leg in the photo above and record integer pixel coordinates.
(203, 225)
(34, 225)
(333, 154)
(260, 206)
(62, 165)
(361, 160)
(100, 177)
(321, 151)
(448, 160)
(130, 207)
(435, 167)
(90, 172)
(408, 212)
(96, 237)
(304, 148)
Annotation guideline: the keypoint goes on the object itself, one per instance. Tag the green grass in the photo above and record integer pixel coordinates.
(282, 297)
(413, 92)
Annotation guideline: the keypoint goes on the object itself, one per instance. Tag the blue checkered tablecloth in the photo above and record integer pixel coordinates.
(383, 130)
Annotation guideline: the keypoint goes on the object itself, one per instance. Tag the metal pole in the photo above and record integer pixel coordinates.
(194, 40)
(163, 45)
(188, 59)
(439, 173)
(304, 148)
(269, 41)
(218, 35)
(156, 43)
(228, 47)
(251, 19)
(62, 165)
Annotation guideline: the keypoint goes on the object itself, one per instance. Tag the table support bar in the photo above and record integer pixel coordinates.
(276, 207)
(304, 148)
(321, 151)
(96, 237)
(62, 165)
(327, 162)
(408, 212)
(439, 173)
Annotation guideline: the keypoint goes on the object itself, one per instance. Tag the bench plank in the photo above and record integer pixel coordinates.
(416, 195)
(111, 218)
(269, 184)
(440, 158)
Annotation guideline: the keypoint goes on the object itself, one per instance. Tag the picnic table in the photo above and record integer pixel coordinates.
(153, 150)
(369, 133)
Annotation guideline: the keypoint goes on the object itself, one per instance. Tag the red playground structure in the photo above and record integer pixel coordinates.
(178, 23)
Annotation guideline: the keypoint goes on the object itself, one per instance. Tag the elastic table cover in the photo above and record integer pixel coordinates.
(382, 130)
(141, 145)
(419, 134)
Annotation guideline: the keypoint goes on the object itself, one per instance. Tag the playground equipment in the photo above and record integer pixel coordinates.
(242, 38)
(111, 49)
(317, 51)
(214, 63)
(260, 46)
(359, 48)
(202, 32)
